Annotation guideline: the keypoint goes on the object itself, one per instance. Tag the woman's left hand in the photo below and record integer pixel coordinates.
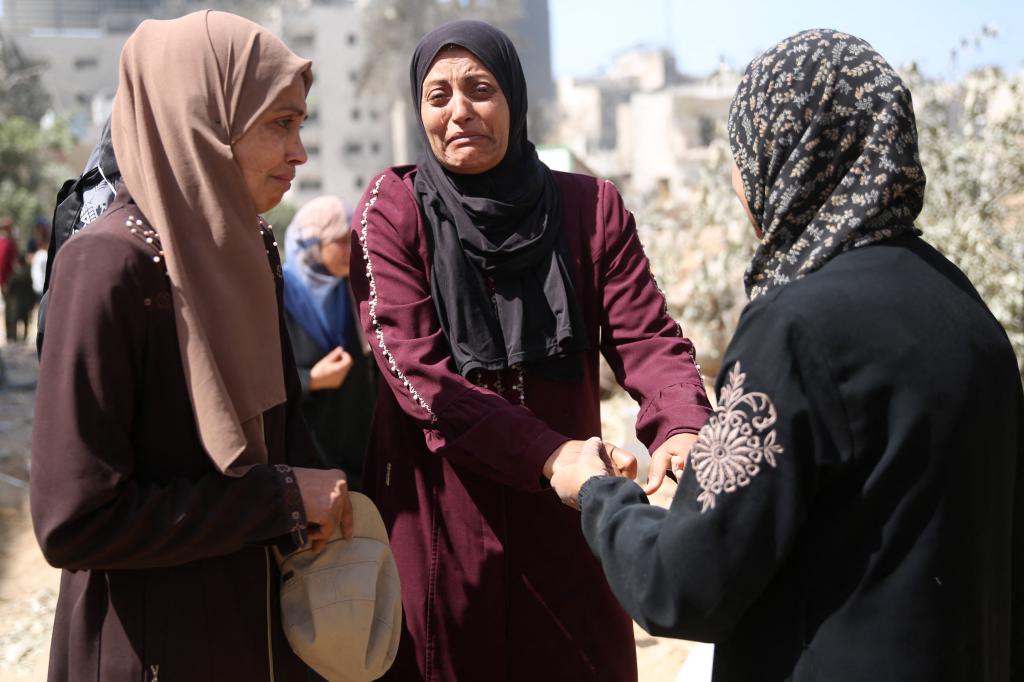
(672, 453)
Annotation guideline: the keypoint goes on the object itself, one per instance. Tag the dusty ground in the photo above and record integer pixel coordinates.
(28, 585)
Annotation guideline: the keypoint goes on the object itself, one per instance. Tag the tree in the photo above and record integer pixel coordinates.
(21, 90)
(699, 250)
(394, 27)
(30, 169)
(972, 147)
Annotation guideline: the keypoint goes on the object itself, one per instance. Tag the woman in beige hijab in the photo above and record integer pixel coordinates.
(168, 450)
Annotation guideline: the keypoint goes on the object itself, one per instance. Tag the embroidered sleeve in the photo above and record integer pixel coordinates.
(693, 570)
(738, 440)
(296, 536)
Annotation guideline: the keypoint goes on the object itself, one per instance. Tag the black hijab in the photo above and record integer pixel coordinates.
(499, 275)
(823, 132)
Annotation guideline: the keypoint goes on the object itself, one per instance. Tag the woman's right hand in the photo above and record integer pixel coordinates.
(330, 370)
(327, 504)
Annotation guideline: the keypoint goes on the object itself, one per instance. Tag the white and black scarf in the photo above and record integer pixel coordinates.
(823, 132)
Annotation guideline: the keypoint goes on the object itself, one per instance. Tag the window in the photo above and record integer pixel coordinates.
(356, 114)
(302, 42)
(310, 185)
(313, 150)
(84, 99)
(375, 147)
(353, 76)
(82, 63)
(352, 148)
(360, 183)
(707, 130)
(351, 38)
(373, 114)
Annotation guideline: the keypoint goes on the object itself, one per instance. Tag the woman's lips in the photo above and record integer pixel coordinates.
(466, 139)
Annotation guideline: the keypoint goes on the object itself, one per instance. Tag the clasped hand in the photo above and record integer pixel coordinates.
(576, 461)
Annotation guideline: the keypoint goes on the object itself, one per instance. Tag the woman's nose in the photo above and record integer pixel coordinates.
(297, 152)
(462, 108)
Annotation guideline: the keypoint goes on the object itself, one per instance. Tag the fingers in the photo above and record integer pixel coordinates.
(594, 447)
(678, 465)
(347, 517)
(623, 462)
(345, 358)
(656, 471)
(335, 355)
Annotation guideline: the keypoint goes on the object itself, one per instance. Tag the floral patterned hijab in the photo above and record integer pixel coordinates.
(823, 132)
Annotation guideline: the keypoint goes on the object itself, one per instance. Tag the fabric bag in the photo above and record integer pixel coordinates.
(342, 608)
(80, 202)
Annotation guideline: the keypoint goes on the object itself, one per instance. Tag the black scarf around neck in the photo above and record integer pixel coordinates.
(500, 275)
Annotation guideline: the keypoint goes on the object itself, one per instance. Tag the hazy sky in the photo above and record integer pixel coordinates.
(586, 34)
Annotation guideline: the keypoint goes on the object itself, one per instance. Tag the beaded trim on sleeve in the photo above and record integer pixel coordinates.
(378, 331)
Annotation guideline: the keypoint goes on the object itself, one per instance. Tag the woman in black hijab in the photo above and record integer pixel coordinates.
(502, 290)
(853, 509)
(488, 284)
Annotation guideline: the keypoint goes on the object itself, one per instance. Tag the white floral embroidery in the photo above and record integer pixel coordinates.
(736, 440)
(378, 330)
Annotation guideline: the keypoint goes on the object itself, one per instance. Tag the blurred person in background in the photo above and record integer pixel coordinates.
(489, 284)
(8, 262)
(335, 370)
(40, 254)
(19, 299)
(169, 454)
(854, 509)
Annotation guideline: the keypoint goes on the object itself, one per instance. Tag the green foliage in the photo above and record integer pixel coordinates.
(972, 148)
(699, 249)
(30, 168)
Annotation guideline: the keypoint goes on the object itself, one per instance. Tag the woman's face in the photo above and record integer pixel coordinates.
(335, 255)
(737, 186)
(465, 113)
(270, 149)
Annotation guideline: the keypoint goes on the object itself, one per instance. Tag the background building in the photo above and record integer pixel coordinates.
(643, 123)
(353, 130)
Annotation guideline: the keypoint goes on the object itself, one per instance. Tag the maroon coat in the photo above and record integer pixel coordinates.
(167, 575)
(497, 580)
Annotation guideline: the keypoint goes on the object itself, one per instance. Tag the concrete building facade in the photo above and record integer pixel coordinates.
(351, 134)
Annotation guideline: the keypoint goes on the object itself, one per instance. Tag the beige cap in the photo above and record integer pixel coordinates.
(342, 608)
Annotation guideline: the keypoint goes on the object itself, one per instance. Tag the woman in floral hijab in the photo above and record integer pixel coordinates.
(853, 509)
(823, 134)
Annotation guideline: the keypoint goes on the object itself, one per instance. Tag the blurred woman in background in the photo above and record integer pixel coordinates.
(331, 354)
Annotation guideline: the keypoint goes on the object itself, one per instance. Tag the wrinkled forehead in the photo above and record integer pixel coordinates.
(456, 61)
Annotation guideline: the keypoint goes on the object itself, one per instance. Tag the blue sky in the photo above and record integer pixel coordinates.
(586, 34)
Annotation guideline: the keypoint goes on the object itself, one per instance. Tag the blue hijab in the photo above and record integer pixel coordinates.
(316, 299)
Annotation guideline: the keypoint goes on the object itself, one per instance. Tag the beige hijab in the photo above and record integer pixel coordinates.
(188, 89)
